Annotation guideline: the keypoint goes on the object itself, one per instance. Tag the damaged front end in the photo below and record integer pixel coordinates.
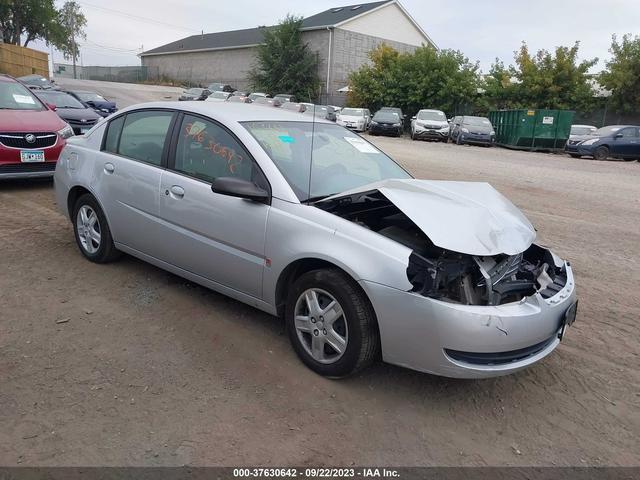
(489, 278)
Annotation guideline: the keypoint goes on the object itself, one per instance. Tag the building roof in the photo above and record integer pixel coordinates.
(253, 36)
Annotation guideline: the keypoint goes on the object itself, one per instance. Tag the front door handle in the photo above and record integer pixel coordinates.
(109, 168)
(176, 191)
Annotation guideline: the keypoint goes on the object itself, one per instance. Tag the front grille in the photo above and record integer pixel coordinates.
(78, 123)
(499, 358)
(27, 167)
(19, 140)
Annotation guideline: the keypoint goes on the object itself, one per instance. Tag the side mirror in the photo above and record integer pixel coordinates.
(414, 117)
(52, 106)
(238, 187)
(91, 103)
(618, 135)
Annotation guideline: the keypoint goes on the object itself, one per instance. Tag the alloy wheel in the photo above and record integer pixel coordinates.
(321, 325)
(88, 227)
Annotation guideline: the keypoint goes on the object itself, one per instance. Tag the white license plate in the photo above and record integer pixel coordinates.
(31, 156)
(84, 130)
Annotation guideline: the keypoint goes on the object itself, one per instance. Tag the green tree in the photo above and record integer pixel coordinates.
(284, 62)
(426, 78)
(23, 21)
(555, 80)
(622, 76)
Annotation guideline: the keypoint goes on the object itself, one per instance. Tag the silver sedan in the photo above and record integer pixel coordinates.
(307, 220)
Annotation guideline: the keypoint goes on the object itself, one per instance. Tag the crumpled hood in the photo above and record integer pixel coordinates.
(465, 217)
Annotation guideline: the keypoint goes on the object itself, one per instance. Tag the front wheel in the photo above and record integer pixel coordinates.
(574, 155)
(601, 153)
(92, 231)
(331, 324)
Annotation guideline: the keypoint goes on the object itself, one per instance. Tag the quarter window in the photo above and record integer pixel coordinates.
(113, 135)
(143, 136)
(207, 151)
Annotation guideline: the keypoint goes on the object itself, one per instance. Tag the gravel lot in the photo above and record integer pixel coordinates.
(125, 364)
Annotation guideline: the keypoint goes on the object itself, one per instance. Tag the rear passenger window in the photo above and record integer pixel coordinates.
(207, 151)
(113, 135)
(143, 136)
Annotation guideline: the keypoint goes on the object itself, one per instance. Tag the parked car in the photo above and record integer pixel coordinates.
(430, 125)
(219, 96)
(195, 94)
(617, 141)
(294, 107)
(272, 102)
(238, 93)
(357, 119)
(31, 134)
(386, 122)
(285, 97)
(473, 130)
(79, 116)
(359, 258)
(254, 95)
(321, 111)
(220, 87)
(581, 130)
(101, 105)
(237, 99)
(38, 82)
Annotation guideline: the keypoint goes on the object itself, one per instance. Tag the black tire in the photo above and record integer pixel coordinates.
(601, 153)
(575, 155)
(106, 251)
(459, 141)
(413, 136)
(363, 341)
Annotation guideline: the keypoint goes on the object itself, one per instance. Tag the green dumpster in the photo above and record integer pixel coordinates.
(532, 129)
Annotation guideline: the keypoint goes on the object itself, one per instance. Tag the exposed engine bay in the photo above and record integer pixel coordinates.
(452, 276)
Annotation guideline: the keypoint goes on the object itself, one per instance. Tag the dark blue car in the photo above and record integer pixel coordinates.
(98, 103)
(616, 141)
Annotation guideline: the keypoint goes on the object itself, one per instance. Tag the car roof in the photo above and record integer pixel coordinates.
(580, 125)
(7, 78)
(430, 110)
(230, 112)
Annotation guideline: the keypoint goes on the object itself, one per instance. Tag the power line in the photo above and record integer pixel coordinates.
(89, 43)
(137, 17)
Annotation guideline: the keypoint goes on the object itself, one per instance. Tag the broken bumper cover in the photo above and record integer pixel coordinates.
(468, 341)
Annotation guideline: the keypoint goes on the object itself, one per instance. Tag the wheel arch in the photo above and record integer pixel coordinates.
(75, 193)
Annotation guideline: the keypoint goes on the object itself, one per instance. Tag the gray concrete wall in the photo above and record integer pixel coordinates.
(350, 52)
(228, 66)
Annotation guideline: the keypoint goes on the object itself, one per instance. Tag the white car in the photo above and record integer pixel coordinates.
(430, 124)
(357, 119)
(218, 97)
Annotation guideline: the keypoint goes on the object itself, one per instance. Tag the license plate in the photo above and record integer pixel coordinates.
(31, 156)
(84, 130)
(568, 318)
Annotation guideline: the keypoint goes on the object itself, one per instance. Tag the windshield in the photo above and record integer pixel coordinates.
(342, 160)
(477, 121)
(352, 112)
(604, 131)
(386, 116)
(14, 96)
(90, 97)
(221, 95)
(432, 115)
(194, 91)
(60, 99)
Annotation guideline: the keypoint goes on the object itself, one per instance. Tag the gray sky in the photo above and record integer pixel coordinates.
(483, 30)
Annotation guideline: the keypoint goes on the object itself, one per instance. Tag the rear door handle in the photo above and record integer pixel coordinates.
(109, 168)
(176, 191)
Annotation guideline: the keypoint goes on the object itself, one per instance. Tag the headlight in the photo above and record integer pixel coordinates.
(444, 129)
(465, 130)
(105, 110)
(66, 132)
(492, 133)
(590, 142)
(373, 123)
(397, 124)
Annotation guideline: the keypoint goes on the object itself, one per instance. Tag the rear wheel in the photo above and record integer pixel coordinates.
(92, 231)
(331, 323)
(601, 153)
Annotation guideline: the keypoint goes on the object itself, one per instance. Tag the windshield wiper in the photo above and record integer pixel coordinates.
(319, 197)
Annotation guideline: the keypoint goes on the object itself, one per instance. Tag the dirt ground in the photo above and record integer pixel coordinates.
(125, 364)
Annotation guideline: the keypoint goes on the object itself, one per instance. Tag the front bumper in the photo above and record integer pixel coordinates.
(358, 127)
(421, 132)
(478, 139)
(446, 339)
(382, 129)
(11, 166)
(579, 149)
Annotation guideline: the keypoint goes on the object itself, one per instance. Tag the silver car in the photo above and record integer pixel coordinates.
(309, 221)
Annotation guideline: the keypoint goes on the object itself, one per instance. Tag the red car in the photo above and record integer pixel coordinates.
(31, 133)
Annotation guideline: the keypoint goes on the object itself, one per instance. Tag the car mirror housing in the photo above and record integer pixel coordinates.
(617, 135)
(241, 188)
(52, 106)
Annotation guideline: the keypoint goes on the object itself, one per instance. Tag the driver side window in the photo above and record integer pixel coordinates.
(207, 151)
